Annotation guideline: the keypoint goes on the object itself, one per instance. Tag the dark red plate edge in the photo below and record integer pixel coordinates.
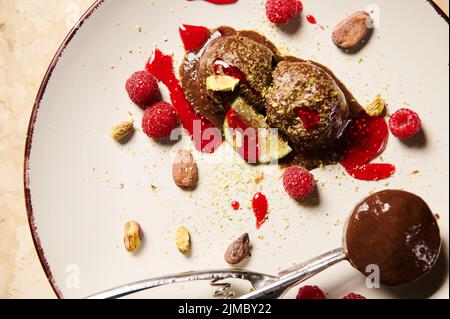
(439, 10)
(28, 145)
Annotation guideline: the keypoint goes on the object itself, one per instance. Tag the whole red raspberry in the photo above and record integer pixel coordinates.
(405, 123)
(298, 182)
(310, 292)
(353, 296)
(160, 120)
(142, 88)
(282, 11)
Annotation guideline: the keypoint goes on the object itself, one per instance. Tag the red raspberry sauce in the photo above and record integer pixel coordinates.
(234, 72)
(364, 140)
(372, 172)
(220, 1)
(311, 19)
(193, 37)
(249, 150)
(161, 66)
(260, 208)
(235, 205)
(310, 118)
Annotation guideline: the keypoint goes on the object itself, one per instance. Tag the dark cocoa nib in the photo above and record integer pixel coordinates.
(276, 86)
(238, 250)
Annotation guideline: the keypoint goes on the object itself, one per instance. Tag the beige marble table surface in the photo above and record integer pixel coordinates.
(30, 33)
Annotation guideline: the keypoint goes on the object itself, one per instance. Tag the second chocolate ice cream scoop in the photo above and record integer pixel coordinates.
(306, 105)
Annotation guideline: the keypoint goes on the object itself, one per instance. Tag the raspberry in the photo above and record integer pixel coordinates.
(142, 88)
(405, 123)
(310, 292)
(160, 120)
(298, 182)
(353, 296)
(282, 11)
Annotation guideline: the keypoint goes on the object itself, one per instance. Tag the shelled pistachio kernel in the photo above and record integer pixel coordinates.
(183, 240)
(120, 131)
(133, 236)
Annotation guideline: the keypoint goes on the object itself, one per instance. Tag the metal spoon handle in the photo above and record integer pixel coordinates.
(295, 275)
(132, 288)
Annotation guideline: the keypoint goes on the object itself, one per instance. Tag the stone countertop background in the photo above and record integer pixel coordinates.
(30, 33)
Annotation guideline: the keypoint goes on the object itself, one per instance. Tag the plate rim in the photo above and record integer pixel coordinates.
(29, 140)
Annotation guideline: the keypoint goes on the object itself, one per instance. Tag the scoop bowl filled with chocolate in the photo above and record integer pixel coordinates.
(392, 235)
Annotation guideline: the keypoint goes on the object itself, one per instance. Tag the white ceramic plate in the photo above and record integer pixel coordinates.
(81, 186)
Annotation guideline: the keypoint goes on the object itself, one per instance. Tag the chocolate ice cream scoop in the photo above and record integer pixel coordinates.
(307, 105)
(242, 58)
(396, 231)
